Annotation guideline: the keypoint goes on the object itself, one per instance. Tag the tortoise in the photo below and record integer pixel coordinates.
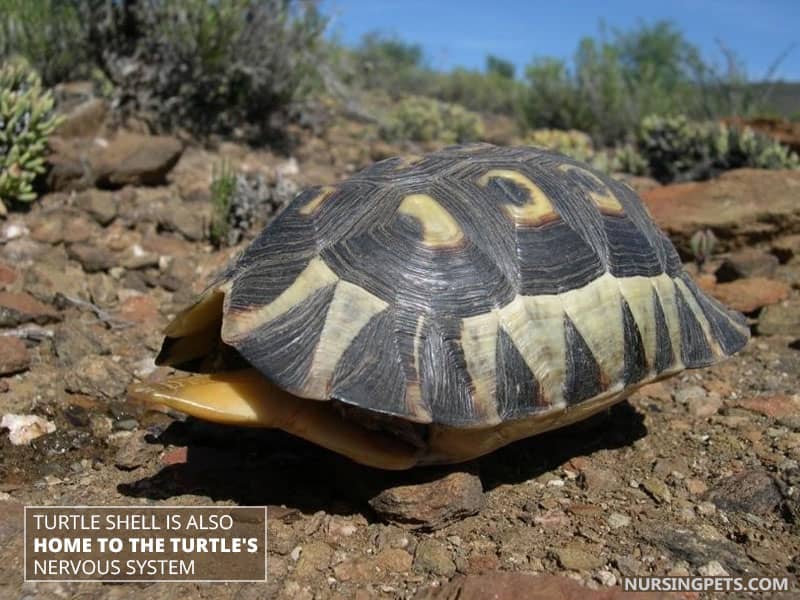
(433, 309)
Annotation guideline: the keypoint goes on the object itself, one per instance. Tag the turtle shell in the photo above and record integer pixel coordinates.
(467, 288)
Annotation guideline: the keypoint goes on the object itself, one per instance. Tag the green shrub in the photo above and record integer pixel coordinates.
(615, 80)
(572, 143)
(427, 120)
(223, 190)
(26, 121)
(49, 34)
(211, 66)
(676, 148)
(207, 66)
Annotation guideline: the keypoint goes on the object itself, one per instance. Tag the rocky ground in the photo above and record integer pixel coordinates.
(695, 475)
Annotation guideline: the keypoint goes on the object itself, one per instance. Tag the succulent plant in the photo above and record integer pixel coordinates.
(573, 143)
(26, 121)
(427, 120)
(678, 149)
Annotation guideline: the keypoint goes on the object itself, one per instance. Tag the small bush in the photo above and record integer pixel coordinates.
(207, 66)
(26, 121)
(572, 143)
(49, 34)
(675, 148)
(426, 120)
(223, 190)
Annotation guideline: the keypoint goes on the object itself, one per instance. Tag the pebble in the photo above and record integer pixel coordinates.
(97, 376)
(433, 557)
(579, 558)
(22, 429)
(693, 392)
(713, 569)
(135, 451)
(657, 489)
(14, 355)
(616, 520)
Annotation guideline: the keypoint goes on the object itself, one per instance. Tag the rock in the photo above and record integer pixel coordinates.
(776, 406)
(101, 205)
(92, 258)
(138, 309)
(500, 585)
(748, 262)
(82, 119)
(135, 451)
(17, 308)
(68, 166)
(190, 221)
(8, 274)
(103, 289)
(97, 376)
(780, 319)
(431, 505)
(392, 560)
(133, 159)
(47, 280)
(786, 247)
(740, 206)
(684, 395)
(713, 569)
(697, 549)
(579, 558)
(657, 489)
(704, 407)
(71, 343)
(433, 557)
(750, 491)
(14, 355)
(314, 559)
(598, 479)
(616, 520)
(748, 295)
(22, 429)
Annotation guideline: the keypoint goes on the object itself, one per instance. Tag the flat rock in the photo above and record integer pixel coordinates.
(780, 319)
(135, 451)
(776, 406)
(750, 491)
(72, 342)
(433, 557)
(14, 355)
(748, 295)
(97, 376)
(101, 205)
(431, 505)
(740, 206)
(133, 159)
(92, 258)
(748, 262)
(18, 307)
(501, 585)
(8, 274)
(577, 558)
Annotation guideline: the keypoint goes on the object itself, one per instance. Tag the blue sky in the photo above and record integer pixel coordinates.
(462, 32)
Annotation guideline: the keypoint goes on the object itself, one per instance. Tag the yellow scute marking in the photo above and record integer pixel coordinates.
(313, 205)
(350, 310)
(479, 343)
(439, 228)
(315, 276)
(605, 201)
(537, 210)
